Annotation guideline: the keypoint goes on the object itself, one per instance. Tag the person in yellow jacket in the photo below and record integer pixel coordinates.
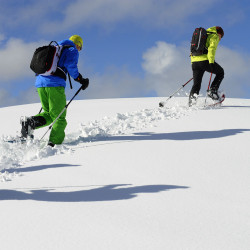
(206, 63)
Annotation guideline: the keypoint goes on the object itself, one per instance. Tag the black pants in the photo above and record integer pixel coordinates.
(199, 68)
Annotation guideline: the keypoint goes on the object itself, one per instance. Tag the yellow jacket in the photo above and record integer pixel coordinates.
(211, 44)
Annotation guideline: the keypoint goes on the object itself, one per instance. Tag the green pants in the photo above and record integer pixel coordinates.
(53, 101)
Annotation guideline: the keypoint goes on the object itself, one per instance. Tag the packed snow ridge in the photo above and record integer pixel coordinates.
(13, 155)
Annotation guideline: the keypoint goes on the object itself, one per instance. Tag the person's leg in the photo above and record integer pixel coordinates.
(30, 123)
(198, 73)
(57, 102)
(43, 119)
(219, 72)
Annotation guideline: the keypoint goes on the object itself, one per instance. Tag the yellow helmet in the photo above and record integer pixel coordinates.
(77, 40)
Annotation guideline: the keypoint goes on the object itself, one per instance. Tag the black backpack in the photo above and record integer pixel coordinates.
(45, 59)
(198, 42)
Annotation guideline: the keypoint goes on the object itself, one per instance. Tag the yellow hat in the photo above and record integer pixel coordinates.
(77, 40)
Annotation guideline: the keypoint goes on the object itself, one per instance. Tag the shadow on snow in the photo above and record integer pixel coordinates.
(181, 136)
(40, 167)
(105, 193)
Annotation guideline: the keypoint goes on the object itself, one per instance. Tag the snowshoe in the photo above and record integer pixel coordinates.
(17, 140)
(217, 102)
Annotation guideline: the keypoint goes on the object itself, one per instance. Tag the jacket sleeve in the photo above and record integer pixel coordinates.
(71, 61)
(213, 43)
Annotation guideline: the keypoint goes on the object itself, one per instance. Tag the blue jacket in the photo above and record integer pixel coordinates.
(68, 62)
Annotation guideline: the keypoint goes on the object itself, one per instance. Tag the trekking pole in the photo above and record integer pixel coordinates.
(40, 110)
(161, 104)
(50, 127)
(208, 86)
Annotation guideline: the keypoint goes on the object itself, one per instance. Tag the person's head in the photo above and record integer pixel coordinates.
(220, 31)
(77, 40)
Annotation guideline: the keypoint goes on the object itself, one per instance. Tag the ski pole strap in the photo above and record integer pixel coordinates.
(70, 81)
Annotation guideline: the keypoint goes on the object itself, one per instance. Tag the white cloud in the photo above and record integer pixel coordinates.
(145, 13)
(28, 15)
(115, 83)
(24, 97)
(6, 99)
(167, 67)
(161, 57)
(15, 59)
(2, 37)
(237, 74)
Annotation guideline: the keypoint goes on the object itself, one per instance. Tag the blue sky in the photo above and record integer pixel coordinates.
(132, 48)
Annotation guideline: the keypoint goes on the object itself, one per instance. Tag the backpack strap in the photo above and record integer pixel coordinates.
(209, 32)
(59, 71)
(54, 42)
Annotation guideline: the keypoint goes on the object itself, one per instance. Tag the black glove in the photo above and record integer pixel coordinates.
(83, 81)
(211, 65)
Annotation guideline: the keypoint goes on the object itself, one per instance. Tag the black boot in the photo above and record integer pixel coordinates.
(39, 121)
(192, 100)
(28, 125)
(51, 144)
(31, 123)
(213, 93)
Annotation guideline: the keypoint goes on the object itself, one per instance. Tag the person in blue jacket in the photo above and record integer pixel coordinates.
(51, 90)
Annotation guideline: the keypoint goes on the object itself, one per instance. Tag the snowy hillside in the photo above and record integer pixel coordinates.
(129, 176)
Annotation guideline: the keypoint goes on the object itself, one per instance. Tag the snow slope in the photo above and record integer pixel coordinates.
(129, 176)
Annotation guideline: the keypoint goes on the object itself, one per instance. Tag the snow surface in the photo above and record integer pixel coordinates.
(130, 175)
